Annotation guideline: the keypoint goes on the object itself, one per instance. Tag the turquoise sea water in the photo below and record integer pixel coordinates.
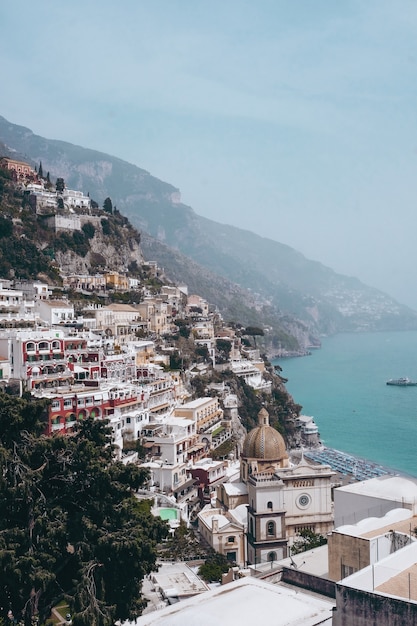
(343, 386)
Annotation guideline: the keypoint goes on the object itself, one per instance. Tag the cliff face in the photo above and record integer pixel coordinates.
(102, 255)
(113, 253)
(41, 245)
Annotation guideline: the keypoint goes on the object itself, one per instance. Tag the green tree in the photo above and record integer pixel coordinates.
(215, 565)
(307, 540)
(253, 331)
(105, 225)
(60, 185)
(223, 347)
(108, 205)
(88, 230)
(70, 524)
(182, 545)
(6, 227)
(40, 170)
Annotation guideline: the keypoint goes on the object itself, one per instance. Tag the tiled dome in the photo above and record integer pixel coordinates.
(264, 442)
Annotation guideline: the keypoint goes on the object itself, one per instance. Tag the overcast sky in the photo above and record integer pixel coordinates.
(294, 119)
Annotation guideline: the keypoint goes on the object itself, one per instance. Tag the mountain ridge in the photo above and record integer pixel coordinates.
(278, 276)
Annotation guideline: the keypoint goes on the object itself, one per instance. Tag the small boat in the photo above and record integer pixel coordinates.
(402, 382)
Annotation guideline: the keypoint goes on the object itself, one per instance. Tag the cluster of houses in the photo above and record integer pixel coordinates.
(41, 193)
(114, 362)
(365, 574)
(94, 365)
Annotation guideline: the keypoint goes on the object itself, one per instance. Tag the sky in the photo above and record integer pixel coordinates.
(296, 120)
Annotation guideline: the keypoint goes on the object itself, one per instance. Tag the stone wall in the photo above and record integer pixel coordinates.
(309, 581)
(361, 608)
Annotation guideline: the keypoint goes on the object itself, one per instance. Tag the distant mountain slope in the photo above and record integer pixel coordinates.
(277, 275)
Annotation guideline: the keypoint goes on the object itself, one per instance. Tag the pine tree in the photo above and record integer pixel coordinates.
(108, 205)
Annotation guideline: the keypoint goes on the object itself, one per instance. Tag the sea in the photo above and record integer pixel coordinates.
(343, 385)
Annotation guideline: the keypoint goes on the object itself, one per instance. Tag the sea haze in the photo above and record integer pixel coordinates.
(343, 385)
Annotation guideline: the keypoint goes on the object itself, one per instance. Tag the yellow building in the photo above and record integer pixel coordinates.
(117, 281)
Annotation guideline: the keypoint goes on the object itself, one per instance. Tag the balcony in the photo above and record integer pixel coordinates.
(50, 360)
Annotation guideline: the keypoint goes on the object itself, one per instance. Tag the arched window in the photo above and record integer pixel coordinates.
(272, 556)
(269, 505)
(270, 529)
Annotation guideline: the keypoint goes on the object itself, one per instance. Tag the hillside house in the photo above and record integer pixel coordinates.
(85, 282)
(116, 281)
(21, 169)
(155, 312)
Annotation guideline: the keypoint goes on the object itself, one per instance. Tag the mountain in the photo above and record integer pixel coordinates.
(272, 278)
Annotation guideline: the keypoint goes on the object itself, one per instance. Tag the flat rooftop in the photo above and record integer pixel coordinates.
(396, 488)
(403, 585)
(245, 601)
(178, 580)
(399, 520)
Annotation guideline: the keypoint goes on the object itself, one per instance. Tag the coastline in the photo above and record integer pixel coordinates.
(343, 386)
(350, 467)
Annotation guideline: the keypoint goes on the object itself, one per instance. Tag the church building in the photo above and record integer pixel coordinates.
(282, 498)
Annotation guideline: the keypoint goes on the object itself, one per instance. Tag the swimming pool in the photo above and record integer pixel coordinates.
(167, 513)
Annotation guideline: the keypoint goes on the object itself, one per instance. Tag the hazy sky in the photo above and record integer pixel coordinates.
(294, 119)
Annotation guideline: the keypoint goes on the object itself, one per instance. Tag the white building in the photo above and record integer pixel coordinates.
(373, 498)
(282, 499)
(14, 306)
(54, 312)
(244, 602)
(223, 533)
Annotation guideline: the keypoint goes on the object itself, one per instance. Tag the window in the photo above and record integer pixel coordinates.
(269, 505)
(231, 539)
(303, 501)
(347, 570)
(272, 556)
(270, 529)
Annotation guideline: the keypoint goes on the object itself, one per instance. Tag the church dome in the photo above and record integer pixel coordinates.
(264, 442)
